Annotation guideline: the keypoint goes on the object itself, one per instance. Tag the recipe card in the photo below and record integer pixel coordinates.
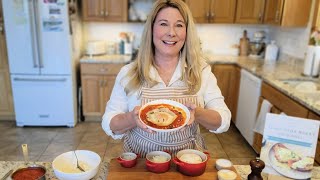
(289, 146)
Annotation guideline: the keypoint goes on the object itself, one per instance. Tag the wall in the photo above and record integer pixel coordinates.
(291, 41)
(215, 38)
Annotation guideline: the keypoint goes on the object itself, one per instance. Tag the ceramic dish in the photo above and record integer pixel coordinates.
(30, 172)
(283, 167)
(172, 106)
(158, 161)
(65, 165)
(191, 169)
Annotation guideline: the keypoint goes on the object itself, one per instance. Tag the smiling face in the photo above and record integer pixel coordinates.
(169, 32)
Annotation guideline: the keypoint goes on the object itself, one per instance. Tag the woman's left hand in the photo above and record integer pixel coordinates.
(192, 109)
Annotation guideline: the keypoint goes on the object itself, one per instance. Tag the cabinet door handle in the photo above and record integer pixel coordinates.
(104, 83)
(260, 17)
(277, 16)
(212, 15)
(103, 69)
(106, 13)
(1, 28)
(101, 13)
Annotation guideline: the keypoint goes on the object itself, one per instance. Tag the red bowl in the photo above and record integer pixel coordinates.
(157, 167)
(188, 168)
(128, 159)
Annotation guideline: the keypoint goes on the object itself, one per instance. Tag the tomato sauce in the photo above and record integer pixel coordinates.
(30, 173)
(179, 121)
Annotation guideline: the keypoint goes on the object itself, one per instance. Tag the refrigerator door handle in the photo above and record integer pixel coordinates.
(38, 30)
(33, 34)
(41, 80)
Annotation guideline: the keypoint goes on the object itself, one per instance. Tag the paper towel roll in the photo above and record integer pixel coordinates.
(308, 62)
(316, 62)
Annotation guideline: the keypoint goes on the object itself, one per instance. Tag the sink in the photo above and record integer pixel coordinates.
(307, 89)
(302, 85)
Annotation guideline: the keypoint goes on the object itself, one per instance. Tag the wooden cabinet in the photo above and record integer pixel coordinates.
(273, 11)
(6, 99)
(280, 103)
(105, 10)
(97, 82)
(289, 13)
(212, 11)
(228, 78)
(250, 11)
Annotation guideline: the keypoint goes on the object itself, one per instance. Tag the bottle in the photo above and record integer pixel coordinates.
(244, 44)
(271, 52)
(257, 166)
(127, 48)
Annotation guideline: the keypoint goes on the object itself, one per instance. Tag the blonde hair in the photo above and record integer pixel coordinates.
(190, 52)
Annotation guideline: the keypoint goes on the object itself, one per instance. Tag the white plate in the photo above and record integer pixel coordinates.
(285, 169)
(170, 102)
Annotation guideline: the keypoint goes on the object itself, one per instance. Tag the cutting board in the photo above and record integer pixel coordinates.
(116, 171)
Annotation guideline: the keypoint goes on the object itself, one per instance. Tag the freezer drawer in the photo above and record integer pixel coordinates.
(44, 100)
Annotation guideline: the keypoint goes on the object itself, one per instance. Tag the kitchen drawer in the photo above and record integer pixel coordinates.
(102, 69)
(284, 103)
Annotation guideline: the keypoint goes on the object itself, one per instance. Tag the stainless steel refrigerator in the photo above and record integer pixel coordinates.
(41, 62)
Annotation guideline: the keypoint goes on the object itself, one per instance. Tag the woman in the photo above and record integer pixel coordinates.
(169, 66)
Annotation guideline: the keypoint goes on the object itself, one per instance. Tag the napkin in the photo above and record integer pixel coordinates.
(261, 118)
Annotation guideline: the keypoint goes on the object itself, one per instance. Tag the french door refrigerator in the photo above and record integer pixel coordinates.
(41, 63)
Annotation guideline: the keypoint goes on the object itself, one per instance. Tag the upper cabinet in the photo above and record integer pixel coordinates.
(105, 10)
(222, 11)
(273, 11)
(212, 11)
(289, 13)
(200, 10)
(250, 11)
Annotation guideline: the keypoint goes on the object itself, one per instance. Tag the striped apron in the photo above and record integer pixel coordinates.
(138, 141)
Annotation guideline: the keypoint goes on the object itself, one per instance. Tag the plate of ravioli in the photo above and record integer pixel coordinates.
(164, 115)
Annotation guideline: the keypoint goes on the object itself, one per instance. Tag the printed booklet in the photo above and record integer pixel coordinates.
(289, 146)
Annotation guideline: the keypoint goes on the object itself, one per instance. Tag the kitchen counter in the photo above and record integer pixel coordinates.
(273, 73)
(115, 58)
(5, 166)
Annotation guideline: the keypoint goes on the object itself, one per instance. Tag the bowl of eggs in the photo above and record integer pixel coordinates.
(65, 165)
(191, 162)
(158, 161)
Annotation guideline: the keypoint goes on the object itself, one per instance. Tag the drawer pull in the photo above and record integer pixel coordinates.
(103, 70)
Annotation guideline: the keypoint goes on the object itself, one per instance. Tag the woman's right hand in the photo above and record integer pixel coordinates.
(135, 117)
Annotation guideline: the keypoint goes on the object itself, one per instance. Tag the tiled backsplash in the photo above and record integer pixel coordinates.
(215, 38)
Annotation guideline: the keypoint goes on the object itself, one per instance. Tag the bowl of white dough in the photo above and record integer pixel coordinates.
(65, 165)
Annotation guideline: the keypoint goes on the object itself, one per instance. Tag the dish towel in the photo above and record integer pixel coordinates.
(261, 118)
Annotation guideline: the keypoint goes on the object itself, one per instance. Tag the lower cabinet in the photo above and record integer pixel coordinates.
(6, 98)
(6, 102)
(228, 78)
(97, 82)
(282, 103)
